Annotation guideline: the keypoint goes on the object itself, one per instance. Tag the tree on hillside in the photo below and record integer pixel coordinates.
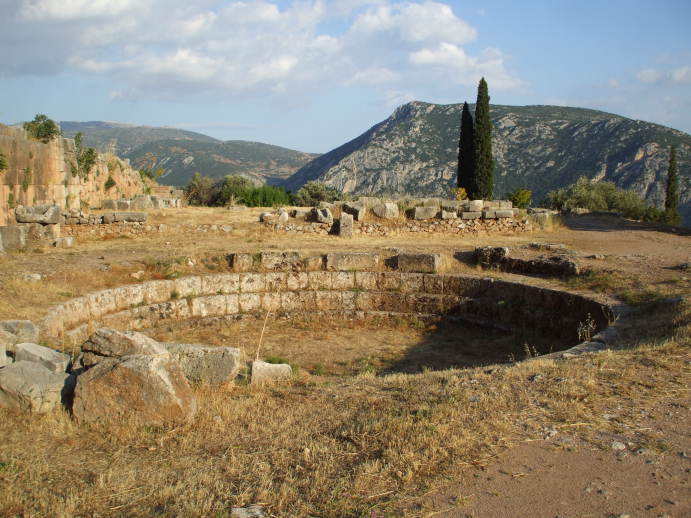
(3, 162)
(42, 128)
(466, 151)
(672, 215)
(483, 185)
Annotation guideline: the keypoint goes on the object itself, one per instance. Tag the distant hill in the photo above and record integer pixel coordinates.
(414, 152)
(182, 153)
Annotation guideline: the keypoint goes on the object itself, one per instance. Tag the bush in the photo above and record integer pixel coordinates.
(265, 196)
(602, 196)
(459, 193)
(521, 198)
(110, 183)
(3, 162)
(42, 128)
(231, 189)
(86, 156)
(201, 190)
(310, 194)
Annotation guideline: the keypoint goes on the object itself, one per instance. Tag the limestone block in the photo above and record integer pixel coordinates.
(313, 263)
(4, 358)
(504, 213)
(271, 302)
(412, 282)
(220, 283)
(328, 300)
(489, 255)
(297, 280)
(109, 218)
(434, 283)
(52, 360)
(111, 343)
(250, 302)
(232, 304)
(205, 364)
(127, 296)
(319, 280)
(453, 205)
(306, 301)
(276, 281)
(188, 286)
(366, 281)
(252, 282)
(266, 217)
(130, 216)
(44, 214)
(471, 215)
(109, 205)
(448, 215)
(386, 210)
(32, 387)
(389, 281)
(283, 216)
(157, 291)
(209, 306)
(420, 263)
(356, 209)
(322, 216)
(280, 260)
(14, 237)
(263, 372)
(150, 390)
(505, 204)
(352, 261)
(241, 262)
(476, 205)
(421, 213)
(345, 227)
(348, 300)
(64, 242)
(141, 202)
(343, 280)
(489, 214)
(17, 331)
(490, 204)
(123, 205)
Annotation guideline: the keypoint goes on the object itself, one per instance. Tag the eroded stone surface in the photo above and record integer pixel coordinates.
(352, 261)
(206, 364)
(111, 343)
(13, 332)
(30, 386)
(386, 210)
(263, 372)
(419, 263)
(51, 359)
(345, 227)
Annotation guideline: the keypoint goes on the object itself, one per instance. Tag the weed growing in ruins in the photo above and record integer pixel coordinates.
(26, 179)
(585, 329)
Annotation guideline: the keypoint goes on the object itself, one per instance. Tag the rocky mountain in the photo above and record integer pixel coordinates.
(414, 152)
(182, 153)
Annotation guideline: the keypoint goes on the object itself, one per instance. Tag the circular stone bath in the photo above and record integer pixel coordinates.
(458, 305)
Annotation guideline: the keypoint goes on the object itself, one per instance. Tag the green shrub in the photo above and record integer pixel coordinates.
(200, 190)
(42, 128)
(310, 194)
(231, 189)
(26, 179)
(86, 157)
(3, 162)
(110, 183)
(602, 196)
(521, 198)
(265, 196)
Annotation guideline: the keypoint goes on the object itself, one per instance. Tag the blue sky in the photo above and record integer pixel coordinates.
(313, 74)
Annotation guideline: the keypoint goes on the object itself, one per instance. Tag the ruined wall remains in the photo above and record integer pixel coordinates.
(39, 174)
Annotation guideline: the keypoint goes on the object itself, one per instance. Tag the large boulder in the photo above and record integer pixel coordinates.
(263, 372)
(206, 364)
(51, 359)
(151, 390)
(14, 332)
(31, 386)
(386, 210)
(111, 343)
(43, 214)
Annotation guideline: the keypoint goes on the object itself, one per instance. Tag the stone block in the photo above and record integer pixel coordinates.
(328, 300)
(43, 214)
(130, 217)
(109, 218)
(109, 205)
(241, 262)
(366, 281)
(157, 291)
(263, 372)
(389, 281)
(150, 390)
(266, 217)
(280, 260)
(471, 215)
(504, 213)
(448, 215)
(4, 358)
(123, 205)
(297, 281)
(356, 209)
(412, 282)
(348, 299)
(490, 204)
(276, 281)
(51, 359)
(232, 304)
(111, 343)
(386, 210)
(220, 283)
(505, 204)
(345, 226)
(419, 263)
(271, 302)
(343, 280)
(141, 202)
(426, 212)
(205, 364)
(313, 263)
(250, 302)
(489, 214)
(14, 237)
(319, 280)
(64, 242)
(322, 216)
(352, 261)
(282, 216)
(476, 205)
(209, 306)
(252, 282)
(188, 286)
(13, 332)
(30, 386)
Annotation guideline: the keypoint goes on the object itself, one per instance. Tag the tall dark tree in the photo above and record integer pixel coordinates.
(483, 187)
(466, 151)
(672, 215)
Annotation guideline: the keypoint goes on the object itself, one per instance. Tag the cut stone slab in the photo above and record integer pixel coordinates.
(206, 364)
(476, 205)
(419, 263)
(471, 215)
(266, 217)
(386, 210)
(151, 390)
(489, 214)
(109, 205)
(123, 205)
(420, 213)
(44, 214)
(448, 215)
(51, 359)
(64, 242)
(352, 261)
(489, 255)
(142, 202)
(253, 511)
(132, 217)
(504, 213)
(263, 372)
(14, 237)
(345, 227)
(241, 262)
(4, 359)
(14, 332)
(323, 216)
(356, 209)
(111, 343)
(29, 386)
(280, 260)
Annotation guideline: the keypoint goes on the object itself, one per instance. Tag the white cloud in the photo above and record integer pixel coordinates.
(613, 83)
(682, 75)
(648, 75)
(75, 9)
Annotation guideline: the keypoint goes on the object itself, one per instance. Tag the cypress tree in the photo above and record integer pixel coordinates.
(672, 215)
(466, 152)
(483, 187)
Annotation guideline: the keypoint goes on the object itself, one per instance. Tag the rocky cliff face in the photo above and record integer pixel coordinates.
(414, 152)
(39, 173)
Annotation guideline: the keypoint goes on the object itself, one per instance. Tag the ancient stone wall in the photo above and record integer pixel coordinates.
(39, 173)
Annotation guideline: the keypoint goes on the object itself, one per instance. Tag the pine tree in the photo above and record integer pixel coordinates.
(483, 187)
(466, 152)
(672, 216)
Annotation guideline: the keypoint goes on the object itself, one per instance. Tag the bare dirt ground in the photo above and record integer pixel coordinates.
(600, 435)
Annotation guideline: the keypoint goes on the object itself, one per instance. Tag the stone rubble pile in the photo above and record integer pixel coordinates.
(561, 265)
